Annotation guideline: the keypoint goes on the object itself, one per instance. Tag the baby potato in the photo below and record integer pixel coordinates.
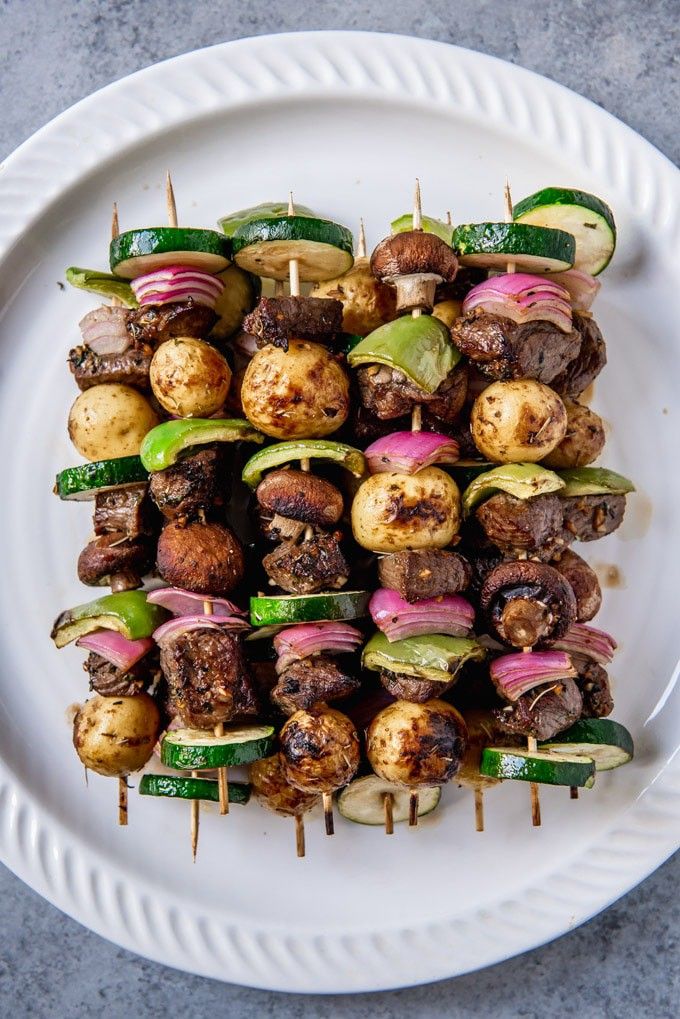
(392, 512)
(448, 311)
(301, 393)
(109, 421)
(273, 790)
(115, 736)
(189, 378)
(518, 421)
(319, 750)
(367, 303)
(584, 440)
(415, 745)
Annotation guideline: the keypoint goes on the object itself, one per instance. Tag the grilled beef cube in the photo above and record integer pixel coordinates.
(593, 682)
(424, 573)
(588, 362)
(502, 349)
(409, 688)
(584, 583)
(589, 517)
(299, 495)
(388, 393)
(109, 681)
(122, 511)
(543, 711)
(312, 681)
(277, 320)
(115, 560)
(313, 565)
(520, 525)
(131, 368)
(207, 678)
(155, 323)
(190, 485)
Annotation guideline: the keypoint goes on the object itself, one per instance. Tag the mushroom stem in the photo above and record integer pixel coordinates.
(122, 800)
(328, 812)
(195, 819)
(510, 267)
(416, 291)
(413, 809)
(299, 835)
(388, 804)
(170, 200)
(479, 809)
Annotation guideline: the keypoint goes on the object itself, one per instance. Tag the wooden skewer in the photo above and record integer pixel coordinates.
(300, 835)
(195, 821)
(532, 746)
(170, 200)
(361, 243)
(511, 267)
(417, 224)
(293, 265)
(327, 799)
(413, 809)
(479, 809)
(573, 792)
(388, 804)
(278, 288)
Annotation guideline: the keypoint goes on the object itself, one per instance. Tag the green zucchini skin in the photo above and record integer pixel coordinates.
(608, 743)
(85, 481)
(538, 766)
(533, 248)
(163, 241)
(308, 608)
(586, 216)
(185, 788)
(265, 210)
(292, 228)
(216, 752)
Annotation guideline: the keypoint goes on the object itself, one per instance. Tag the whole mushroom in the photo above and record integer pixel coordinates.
(526, 602)
(415, 263)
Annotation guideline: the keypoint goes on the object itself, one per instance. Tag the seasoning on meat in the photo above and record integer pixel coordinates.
(110, 681)
(155, 323)
(542, 712)
(593, 682)
(589, 517)
(312, 681)
(584, 583)
(313, 565)
(192, 484)
(408, 688)
(502, 349)
(131, 368)
(588, 362)
(520, 525)
(389, 394)
(122, 511)
(277, 320)
(424, 573)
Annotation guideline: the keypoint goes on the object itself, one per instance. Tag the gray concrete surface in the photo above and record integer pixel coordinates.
(624, 55)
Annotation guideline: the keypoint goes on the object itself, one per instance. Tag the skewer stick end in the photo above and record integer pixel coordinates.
(413, 810)
(388, 804)
(170, 200)
(328, 813)
(417, 208)
(122, 801)
(573, 792)
(291, 204)
(361, 243)
(115, 226)
(299, 835)
(479, 810)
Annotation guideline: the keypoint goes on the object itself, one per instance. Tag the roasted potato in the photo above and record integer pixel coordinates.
(392, 512)
(367, 303)
(448, 311)
(110, 421)
(319, 750)
(189, 378)
(583, 442)
(301, 393)
(273, 790)
(416, 744)
(115, 736)
(518, 421)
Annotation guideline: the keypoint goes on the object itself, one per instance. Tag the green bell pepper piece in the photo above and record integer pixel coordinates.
(521, 480)
(594, 481)
(418, 347)
(164, 443)
(104, 283)
(128, 612)
(434, 657)
(303, 449)
(430, 225)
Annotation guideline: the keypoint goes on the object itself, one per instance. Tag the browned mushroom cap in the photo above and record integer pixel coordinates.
(300, 496)
(525, 602)
(116, 560)
(415, 262)
(205, 558)
(584, 583)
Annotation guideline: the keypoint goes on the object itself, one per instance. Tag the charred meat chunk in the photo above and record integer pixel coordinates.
(312, 681)
(206, 558)
(588, 362)
(190, 485)
(122, 511)
(526, 602)
(299, 495)
(389, 394)
(589, 517)
(109, 681)
(520, 525)
(115, 560)
(207, 677)
(131, 368)
(542, 712)
(424, 573)
(313, 565)
(277, 320)
(584, 583)
(155, 323)
(502, 349)
(593, 682)
(409, 688)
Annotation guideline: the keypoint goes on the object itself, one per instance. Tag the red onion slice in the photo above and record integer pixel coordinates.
(398, 619)
(589, 641)
(185, 603)
(583, 288)
(104, 330)
(185, 624)
(409, 452)
(513, 675)
(306, 639)
(522, 298)
(177, 283)
(115, 648)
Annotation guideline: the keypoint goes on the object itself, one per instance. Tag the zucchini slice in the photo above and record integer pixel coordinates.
(594, 481)
(184, 788)
(235, 220)
(363, 799)
(586, 217)
(532, 248)
(537, 766)
(87, 480)
(136, 252)
(265, 247)
(607, 743)
(102, 283)
(269, 610)
(196, 749)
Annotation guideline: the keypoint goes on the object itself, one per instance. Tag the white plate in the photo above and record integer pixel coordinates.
(347, 121)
